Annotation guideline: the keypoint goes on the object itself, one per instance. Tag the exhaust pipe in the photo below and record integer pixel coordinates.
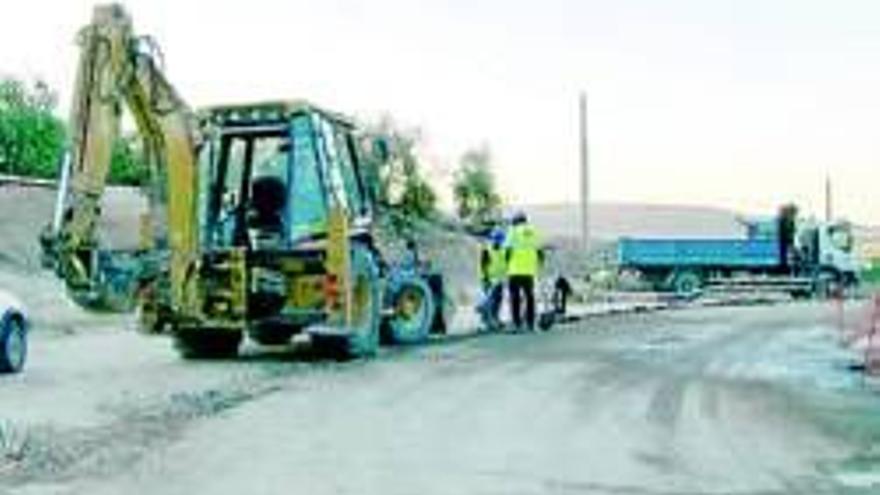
(61, 198)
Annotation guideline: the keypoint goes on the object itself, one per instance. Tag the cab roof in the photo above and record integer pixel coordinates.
(267, 112)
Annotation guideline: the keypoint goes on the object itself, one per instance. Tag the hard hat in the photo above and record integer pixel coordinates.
(496, 235)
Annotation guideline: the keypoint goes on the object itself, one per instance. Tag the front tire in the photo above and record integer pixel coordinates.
(414, 310)
(13, 345)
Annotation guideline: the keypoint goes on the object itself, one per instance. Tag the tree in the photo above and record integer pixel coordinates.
(127, 164)
(476, 198)
(31, 136)
(418, 199)
(393, 172)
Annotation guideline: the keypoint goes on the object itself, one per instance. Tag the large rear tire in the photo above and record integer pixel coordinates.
(207, 343)
(13, 345)
(361, 339)
(272, 334)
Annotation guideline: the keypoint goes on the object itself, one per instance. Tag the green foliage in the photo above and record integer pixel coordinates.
(31, 136)
(394, 174)
(476, 198)
(418, 198)
(870, 275)
(127, 165)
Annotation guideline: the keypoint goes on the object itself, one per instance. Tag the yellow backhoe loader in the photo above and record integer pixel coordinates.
(259, 219)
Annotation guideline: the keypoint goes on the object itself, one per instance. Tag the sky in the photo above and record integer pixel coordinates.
(738, 104)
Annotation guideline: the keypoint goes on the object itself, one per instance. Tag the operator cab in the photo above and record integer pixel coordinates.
(270, 174)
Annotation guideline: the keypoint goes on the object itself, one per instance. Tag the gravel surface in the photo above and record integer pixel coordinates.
(748, 400)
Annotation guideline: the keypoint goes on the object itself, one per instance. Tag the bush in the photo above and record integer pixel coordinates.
(396, 182)
(871, 274)
(477, 201)
(127, 166)
(32, 137)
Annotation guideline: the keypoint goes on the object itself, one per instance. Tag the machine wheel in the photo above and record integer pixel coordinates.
(687, 284)
(207, 343)
(13, 345)
(414, 310)
(271, 334)
(362, 338)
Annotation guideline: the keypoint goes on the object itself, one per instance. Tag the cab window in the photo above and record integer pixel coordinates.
(309, 211)
(349, 172)
(841, 238)
(332, 172)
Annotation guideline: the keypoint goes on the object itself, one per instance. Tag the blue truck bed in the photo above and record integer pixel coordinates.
(732, 253)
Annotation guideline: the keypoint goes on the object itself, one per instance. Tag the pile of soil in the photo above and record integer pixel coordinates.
(25, 210)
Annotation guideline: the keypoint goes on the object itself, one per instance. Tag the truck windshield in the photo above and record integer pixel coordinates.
(841, 237)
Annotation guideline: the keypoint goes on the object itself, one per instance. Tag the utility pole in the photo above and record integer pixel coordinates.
(585, 176)
(829, 212)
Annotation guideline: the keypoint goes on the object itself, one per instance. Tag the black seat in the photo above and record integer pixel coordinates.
(268, 199)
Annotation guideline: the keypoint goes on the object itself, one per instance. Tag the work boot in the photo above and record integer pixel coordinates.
(496, 325)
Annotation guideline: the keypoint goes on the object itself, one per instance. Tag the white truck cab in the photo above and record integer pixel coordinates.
(829, 246)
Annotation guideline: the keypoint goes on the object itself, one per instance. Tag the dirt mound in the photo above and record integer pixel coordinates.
(25, 210)
(446, 249)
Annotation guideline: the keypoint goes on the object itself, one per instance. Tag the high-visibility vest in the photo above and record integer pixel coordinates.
(523, 247)
(494, 266)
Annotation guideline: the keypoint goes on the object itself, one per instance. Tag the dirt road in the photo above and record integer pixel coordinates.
(752, 401)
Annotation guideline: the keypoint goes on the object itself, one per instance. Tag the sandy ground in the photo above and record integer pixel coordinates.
(756, 401)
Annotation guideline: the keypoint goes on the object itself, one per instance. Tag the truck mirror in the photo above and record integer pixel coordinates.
(381, 149)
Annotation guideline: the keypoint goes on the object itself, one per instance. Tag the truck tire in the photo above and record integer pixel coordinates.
(362, 338)
(414, 310)
(687, 284)
(827, 283)
(13, 344)
(207, 343)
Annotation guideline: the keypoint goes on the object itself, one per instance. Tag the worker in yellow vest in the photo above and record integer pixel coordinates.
(493, 275)
(524, 259)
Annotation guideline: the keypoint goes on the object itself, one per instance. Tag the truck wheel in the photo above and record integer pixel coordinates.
(800, 294)
(207, 343)
(827, 284)
(362, 338)
(849, 285)
(414, 310)
(13, 345)
(687, 284)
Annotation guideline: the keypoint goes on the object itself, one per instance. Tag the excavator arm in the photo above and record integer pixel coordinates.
(115, 71)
